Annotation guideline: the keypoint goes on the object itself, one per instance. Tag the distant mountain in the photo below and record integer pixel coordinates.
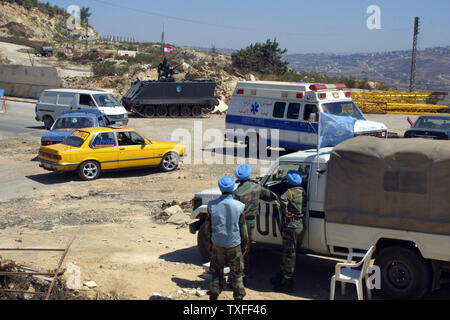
(393, 67)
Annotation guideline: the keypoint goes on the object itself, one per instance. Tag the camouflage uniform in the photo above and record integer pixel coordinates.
(249, 192)
(231, 257)
(291, 202)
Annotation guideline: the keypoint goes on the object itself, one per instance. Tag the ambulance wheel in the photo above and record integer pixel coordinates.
(202, 243)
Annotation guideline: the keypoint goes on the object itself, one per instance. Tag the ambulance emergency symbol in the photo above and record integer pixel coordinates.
(255, 107)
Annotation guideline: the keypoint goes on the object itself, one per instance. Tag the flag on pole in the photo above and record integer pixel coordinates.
(334, 129)
(168, 49)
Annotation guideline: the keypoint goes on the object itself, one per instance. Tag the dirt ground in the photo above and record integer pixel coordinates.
(119, 244)
(119, 241)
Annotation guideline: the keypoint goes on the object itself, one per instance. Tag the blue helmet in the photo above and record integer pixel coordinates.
(243, 172)
(294, 177)
(226, 184)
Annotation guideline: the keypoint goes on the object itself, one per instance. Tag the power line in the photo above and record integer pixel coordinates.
(202, 22)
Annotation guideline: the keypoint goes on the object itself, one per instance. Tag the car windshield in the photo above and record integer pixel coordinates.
(432, 123)
(76, 139)
(343, 109)
(106, 100)
(73, 123)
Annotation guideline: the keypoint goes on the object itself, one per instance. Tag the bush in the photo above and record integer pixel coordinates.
(108, 68)
(61, 55)
(263, 58)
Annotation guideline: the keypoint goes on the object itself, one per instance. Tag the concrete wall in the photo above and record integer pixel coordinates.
(27, 82)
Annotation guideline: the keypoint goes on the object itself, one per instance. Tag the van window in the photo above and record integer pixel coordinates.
(86, 100)
(65, 99)
(278, 109)
(49, 97)
(106, 100)
(293, 111)
(309, 108)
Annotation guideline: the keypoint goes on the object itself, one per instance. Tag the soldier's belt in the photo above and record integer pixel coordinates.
(250, 218)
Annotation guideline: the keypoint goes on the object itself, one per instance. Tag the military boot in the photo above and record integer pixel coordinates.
(285, 285)
(213, 296)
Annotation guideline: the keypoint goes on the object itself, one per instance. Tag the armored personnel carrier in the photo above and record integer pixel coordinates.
(170, 97)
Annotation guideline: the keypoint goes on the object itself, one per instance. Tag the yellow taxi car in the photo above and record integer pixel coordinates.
(92, 150)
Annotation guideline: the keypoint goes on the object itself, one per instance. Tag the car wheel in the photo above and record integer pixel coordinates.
(202, 243)
(404, 273)
(169, 162)
(48, 122)
(89, 170)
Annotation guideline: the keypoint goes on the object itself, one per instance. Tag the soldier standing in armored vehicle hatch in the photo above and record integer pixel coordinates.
(291, 210)
(249, 192)
(163, 69)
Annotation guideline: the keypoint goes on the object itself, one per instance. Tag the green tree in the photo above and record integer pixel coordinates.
(84, 15)
(263, 58)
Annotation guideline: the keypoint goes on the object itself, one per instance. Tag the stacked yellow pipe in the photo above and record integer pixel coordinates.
(403, 102)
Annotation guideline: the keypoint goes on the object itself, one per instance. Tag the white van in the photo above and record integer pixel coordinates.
(294, 109)
(53, 101)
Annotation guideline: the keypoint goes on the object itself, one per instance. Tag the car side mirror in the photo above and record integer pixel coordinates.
(312, 117)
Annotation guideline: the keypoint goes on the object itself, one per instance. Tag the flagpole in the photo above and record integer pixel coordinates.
(318, 148)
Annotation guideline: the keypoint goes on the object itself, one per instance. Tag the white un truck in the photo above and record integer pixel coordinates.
(391, 193)
(293, 109)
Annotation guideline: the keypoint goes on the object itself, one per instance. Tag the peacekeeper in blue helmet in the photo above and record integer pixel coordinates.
(227, 235)
(291, 211)
(249, 192)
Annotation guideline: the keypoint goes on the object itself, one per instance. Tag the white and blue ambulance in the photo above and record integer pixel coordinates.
(305, 114)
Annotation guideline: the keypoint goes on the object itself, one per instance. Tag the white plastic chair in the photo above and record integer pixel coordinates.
(347, 272)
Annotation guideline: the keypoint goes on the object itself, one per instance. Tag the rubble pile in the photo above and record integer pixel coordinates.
(33, 283)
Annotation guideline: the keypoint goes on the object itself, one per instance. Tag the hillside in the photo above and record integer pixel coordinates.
(32, 24)
(432, 69)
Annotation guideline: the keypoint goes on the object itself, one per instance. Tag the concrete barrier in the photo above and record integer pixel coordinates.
(27, 82)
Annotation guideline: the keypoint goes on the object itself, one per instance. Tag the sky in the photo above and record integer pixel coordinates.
(299, 26)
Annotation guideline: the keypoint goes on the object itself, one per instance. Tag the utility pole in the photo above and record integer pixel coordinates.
(162, 42)
(412, 78)
(213, 56)
(87, 26)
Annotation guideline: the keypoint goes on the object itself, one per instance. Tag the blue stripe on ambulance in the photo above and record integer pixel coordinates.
(298, 126)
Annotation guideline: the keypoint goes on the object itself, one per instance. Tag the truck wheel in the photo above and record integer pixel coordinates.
(196, 111)
(161, 111)
(404, 273)
(202, 243)
(89, 170)
(48, 122)
(169, 162)
(185, 111)
(149, 111)
(174, 111)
